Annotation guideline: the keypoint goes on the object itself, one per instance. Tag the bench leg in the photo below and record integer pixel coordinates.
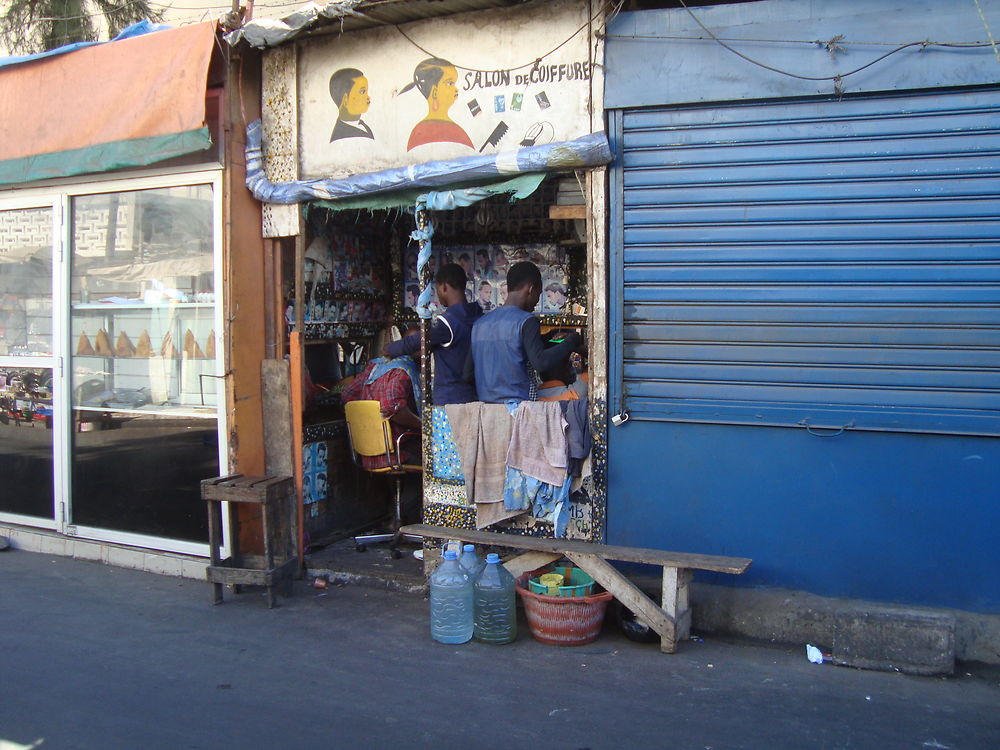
(630, 595)
(675, 603)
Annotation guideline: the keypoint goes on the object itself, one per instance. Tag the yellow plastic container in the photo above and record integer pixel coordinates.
(551, 582)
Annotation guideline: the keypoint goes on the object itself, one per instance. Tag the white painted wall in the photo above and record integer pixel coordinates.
(551, 99)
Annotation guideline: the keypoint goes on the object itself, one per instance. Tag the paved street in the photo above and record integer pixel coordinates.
(99, 657)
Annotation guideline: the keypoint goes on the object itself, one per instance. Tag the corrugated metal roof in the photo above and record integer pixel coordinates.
(351, 15)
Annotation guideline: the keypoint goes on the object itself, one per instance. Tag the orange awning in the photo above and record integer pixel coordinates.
(134, 101)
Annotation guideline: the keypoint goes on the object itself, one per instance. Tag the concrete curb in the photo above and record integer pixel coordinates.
(786, 616)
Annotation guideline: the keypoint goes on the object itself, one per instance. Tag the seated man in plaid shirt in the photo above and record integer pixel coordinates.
(395, 384)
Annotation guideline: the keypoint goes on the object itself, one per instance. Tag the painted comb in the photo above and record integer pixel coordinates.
(496, 136)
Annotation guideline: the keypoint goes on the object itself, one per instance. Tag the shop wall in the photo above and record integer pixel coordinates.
(887, 517)
(891, 516)
(664, 57)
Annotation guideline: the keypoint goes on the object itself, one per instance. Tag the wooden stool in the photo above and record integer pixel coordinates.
(276, 496)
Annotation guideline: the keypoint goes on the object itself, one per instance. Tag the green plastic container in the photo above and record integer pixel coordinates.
(575, 582)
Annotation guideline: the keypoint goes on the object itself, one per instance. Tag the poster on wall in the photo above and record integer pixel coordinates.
(480, 83)
(486, 272)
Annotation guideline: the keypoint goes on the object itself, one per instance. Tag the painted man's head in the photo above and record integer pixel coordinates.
(349, 91)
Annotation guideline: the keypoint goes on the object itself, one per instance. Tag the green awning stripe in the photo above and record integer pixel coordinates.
(135, 152)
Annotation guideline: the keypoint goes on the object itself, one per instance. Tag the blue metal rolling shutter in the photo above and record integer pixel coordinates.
(820, 263)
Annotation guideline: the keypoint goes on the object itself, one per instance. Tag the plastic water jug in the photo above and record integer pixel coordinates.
(451, 602)
(495, 604)
(471, 563)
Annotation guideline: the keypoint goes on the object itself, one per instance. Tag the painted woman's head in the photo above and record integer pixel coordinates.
(437, 80)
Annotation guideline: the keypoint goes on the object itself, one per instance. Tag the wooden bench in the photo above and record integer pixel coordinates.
(671, 621)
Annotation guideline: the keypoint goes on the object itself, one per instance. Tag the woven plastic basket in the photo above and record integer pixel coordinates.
(562, 620)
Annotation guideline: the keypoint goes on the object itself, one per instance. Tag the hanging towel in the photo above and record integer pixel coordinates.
(482, 434)
(546, 501)
(577, 433)
(495, 427)
(538, 441)
(488, 514)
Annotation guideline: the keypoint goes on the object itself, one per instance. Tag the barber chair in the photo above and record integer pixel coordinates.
(370, 435)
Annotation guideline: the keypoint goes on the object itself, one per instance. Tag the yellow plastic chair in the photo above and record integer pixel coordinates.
(371, 436)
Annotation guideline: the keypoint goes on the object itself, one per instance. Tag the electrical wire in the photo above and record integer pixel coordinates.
(810, 42)
(836, 77)
(617, 6)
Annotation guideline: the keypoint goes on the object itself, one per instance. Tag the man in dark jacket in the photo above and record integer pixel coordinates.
(449, 338)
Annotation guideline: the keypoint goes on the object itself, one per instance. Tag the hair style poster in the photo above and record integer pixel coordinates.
(356, 265)
(480, 83)
(486, 269)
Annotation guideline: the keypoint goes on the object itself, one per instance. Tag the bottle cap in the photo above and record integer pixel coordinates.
(493, 557)
(469, 548)
(450, 554)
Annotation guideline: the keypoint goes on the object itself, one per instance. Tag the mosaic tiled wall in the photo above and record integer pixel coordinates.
(280, 122)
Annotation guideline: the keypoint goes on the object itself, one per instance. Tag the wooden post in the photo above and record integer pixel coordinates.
(276, 400)
(298, 380)
(300, 278)
(298, 405)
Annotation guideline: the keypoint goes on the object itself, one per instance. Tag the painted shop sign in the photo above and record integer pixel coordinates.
(482, 82)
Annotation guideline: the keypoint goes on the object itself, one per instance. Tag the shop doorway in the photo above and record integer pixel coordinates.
(361, 286)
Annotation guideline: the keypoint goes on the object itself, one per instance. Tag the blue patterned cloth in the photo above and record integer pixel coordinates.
(445, 462)
(548, 502)
(407, 365)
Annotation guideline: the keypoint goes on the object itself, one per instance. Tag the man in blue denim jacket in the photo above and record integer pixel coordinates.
(507, 344)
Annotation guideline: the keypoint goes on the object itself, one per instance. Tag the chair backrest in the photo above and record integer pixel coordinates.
(368, 429)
